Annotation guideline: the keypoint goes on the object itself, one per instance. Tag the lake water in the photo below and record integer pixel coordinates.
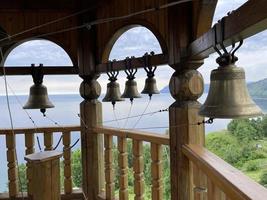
(66, 113)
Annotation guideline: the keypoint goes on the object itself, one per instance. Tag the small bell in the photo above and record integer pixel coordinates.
(228, 95)
(150, 84)
(130, 91)
(113, 93)
(38, 98)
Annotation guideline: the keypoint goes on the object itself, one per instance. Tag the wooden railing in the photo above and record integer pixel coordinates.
(211, 177)
(137, 138)
(48, 133)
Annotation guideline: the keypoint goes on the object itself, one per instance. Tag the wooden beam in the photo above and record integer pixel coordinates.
(248, 20)
(26, 70)
(158, 59)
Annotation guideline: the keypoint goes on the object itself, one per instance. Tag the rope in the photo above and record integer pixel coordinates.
(142, 114)
(11, 121)
(130, 110)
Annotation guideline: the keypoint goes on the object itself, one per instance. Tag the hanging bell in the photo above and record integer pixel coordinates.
(150, 84)
(113, 93)
(130, 91)
(150, 87)
(228, 95)
(38, 98)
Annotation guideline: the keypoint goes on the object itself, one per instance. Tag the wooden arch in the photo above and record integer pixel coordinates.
(10, 48)
(127, 26)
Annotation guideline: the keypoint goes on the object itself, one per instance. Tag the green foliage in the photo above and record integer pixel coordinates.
(263, 178)
(76, 165)
(22, 178)
(252, 165)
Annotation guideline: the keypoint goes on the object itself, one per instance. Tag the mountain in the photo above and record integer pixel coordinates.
(256, 89)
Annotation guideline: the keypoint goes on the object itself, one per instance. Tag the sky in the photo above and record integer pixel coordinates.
(134, 42)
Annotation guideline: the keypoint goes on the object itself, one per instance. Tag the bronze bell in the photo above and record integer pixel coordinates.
(130, 90)
(38, 98)
(113, 93)
(228, 95)
(150, 87)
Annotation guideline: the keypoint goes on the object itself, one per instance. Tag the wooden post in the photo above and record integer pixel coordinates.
(92, 143)
(45, 175)
(67, 162)
(29, 144)
(156, 171)
(13, 186)
(185, 87)
(123, 168)
(48, 141)
(138, 168)
(109, 171)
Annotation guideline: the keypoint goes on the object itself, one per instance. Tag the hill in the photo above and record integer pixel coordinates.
(256, 89)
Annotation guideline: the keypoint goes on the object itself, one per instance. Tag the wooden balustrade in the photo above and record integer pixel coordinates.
(13, 180)
(224, 182)
(211, 178)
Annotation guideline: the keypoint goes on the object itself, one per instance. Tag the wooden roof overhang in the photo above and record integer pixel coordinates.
(183, 30)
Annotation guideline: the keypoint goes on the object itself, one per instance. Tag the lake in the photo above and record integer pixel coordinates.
(66, 113)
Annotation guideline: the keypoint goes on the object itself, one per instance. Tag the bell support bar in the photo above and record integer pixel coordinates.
(158, 59)
(239, 24)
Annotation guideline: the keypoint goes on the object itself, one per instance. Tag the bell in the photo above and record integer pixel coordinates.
(113, 93)
(150, 87)
(130, 90)
(38, 98)
(228, 95)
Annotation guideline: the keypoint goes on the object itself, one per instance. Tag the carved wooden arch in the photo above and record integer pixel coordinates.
(8, 49)
(127, 26)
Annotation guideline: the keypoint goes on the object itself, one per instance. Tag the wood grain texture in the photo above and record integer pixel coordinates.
(231, 181)
(156, 172)
(123, 168)
(67, 162)
(29, 144)
(138, 168)
(109, 171)
(13, 186)
(48, 141)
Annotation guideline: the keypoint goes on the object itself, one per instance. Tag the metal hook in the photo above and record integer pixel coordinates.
(240, 44)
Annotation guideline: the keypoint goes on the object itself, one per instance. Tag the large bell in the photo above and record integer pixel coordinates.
(113, 93)
(130, 90)
(38, 98)
(150, 87)
(228, 95)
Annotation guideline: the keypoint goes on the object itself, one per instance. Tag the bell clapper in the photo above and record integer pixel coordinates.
(208, 121)
(42, 110)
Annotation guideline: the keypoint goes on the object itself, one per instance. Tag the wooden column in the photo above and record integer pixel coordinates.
(48, 141)
(45, 175)
(67, 162)
(156, 171)
(123, 168)
(13, 186)
(29, 144)
(109, 171)
(138, 168)
(185, 87)
(92, 143)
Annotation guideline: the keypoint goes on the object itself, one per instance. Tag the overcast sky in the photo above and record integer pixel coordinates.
(135, 42)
